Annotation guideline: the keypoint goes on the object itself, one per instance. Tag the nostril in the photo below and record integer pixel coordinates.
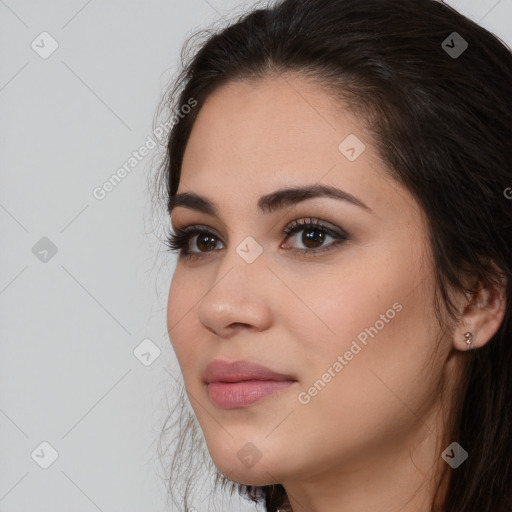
(240, 325)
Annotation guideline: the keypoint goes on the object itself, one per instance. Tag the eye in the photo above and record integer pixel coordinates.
(179, 241)
(314, 234)
(205, 241)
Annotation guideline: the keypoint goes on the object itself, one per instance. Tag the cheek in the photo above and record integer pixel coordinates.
(360, 301)
(375, 311)
(379, 317)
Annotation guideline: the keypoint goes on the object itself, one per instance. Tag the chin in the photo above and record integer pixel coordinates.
(254, 476)
(246, 466)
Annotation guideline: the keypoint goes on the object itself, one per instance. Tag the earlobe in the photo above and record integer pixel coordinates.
(481, 317)
(468, 337)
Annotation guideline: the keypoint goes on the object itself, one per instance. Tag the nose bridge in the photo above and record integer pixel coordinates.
(242, 268)
(237, 295)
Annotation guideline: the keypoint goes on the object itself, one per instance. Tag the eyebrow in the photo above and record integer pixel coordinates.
(277, 200)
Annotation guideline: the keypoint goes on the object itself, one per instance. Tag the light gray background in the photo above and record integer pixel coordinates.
(70, 325)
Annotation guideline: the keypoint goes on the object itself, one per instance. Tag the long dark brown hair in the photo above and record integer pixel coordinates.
(442, 124)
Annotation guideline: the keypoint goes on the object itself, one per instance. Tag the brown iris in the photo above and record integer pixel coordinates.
(204, 240)
(312, 236)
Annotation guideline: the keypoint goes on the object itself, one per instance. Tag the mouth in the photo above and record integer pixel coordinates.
(241, 383)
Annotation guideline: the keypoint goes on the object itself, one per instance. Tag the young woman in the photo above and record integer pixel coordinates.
(339, 191)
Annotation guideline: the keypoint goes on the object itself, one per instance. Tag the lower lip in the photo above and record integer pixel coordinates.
(229, 395)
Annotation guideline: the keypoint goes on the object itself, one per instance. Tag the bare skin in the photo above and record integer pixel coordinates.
(371, 437)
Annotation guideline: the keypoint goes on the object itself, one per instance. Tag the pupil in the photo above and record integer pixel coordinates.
(203, 239)
(310, 238)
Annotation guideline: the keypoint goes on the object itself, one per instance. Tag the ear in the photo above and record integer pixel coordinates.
(483, 315)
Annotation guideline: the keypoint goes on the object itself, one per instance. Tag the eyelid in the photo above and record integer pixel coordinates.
(295, 224)
(178, 241)
(338, 234)
(193, 230)
(198, 227)
(299, 224)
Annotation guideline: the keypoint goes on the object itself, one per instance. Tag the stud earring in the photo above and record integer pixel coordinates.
(468, 337)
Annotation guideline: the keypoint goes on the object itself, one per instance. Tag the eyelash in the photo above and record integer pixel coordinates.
(176, 242)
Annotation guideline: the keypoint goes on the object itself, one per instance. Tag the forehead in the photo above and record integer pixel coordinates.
(279, 124)
(252, 137)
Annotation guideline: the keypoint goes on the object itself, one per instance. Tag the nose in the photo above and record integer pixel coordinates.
(239, 297)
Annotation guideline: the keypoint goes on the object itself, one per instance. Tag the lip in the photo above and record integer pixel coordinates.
(241, 383)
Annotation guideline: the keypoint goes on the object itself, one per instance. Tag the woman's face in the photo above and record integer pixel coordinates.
(349, 325)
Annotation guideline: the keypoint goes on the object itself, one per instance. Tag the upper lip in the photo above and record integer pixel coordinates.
(237, 371)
